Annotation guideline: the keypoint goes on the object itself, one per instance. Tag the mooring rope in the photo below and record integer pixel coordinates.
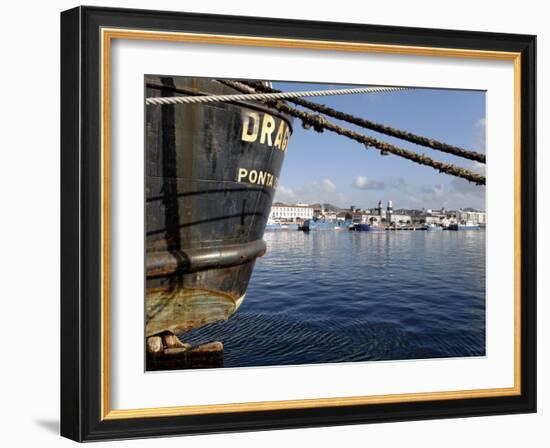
(378, 127)
(320, 123)
(264, 96)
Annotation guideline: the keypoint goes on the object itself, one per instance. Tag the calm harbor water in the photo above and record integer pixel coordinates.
(338, 296)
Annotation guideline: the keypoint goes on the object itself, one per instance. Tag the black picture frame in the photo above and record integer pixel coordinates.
(81, 211)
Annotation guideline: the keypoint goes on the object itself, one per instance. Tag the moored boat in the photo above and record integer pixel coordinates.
(211, 174)
(466, 226)
(273, 225)
(362, 227)
(320, 224)
(434, 228)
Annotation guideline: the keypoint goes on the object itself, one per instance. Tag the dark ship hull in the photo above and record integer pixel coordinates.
(211, 174)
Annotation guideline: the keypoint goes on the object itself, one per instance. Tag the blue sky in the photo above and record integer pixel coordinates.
(330, 168)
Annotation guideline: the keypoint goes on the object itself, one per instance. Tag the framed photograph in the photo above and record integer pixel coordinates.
(273, 223)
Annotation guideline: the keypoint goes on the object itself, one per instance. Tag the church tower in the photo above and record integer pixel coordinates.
(389, 212)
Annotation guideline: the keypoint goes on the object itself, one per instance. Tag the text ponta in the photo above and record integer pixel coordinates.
(256, 177)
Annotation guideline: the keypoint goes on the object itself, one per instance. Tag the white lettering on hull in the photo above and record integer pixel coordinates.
(256, 177)
(261, 127)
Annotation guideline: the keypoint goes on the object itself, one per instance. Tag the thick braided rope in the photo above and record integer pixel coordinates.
(378, 127)
(264, 96)
(320, 123)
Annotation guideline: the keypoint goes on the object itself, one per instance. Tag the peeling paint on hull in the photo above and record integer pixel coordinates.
(184, 309)
(205, 219)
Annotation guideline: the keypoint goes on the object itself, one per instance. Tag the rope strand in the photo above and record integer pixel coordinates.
(263, 96)
(378, 127)
(319, 123)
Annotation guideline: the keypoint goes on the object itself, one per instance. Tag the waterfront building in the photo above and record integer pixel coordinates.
(382, 216)
(324, 211)
(343, 216)
(473, 216)
(360, 218)
(284, 212)
(400, 219)
(440, 218)
(437, 219)
(330, 216)
(445, 218)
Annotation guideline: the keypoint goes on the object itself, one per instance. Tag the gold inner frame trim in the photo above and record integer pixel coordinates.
(107, 35)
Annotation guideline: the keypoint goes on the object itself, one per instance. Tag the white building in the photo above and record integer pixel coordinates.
(479, 218)
(330, 216)
(283, 212)
(398, 219)
(381, 215)
(440, 218)
(360, 218)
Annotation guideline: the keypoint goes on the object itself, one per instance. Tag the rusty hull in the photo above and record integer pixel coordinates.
(204, 226)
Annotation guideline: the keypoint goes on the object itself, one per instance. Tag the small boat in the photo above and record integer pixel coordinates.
(434, 228)
(290, 226)
(312, 224)
(273, 226)
(270, 226)
(469, 225)
(360, 227)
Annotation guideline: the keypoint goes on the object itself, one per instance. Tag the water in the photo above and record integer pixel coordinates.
(340, 296)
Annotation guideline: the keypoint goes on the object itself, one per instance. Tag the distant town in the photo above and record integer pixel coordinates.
(381, 215)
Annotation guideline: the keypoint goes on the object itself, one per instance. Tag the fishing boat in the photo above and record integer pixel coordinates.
(434, 228)
(469, 225)
(211, 174)
(362, 227)
(312, 224)
(275, 225)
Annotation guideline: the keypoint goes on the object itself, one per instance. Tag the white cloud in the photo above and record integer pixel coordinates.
(480, 123)
(435, 191)
(323, 186)
(478, 167)
(362, 183)
(458, 193)
(328, 185)
(479, 137)
(324, 190)
(463, 186)
(284, 194)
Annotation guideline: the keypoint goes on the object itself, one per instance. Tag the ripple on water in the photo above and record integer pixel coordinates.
(358, 296)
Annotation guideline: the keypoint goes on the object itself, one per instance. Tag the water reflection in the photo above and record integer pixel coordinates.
(331, 296)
